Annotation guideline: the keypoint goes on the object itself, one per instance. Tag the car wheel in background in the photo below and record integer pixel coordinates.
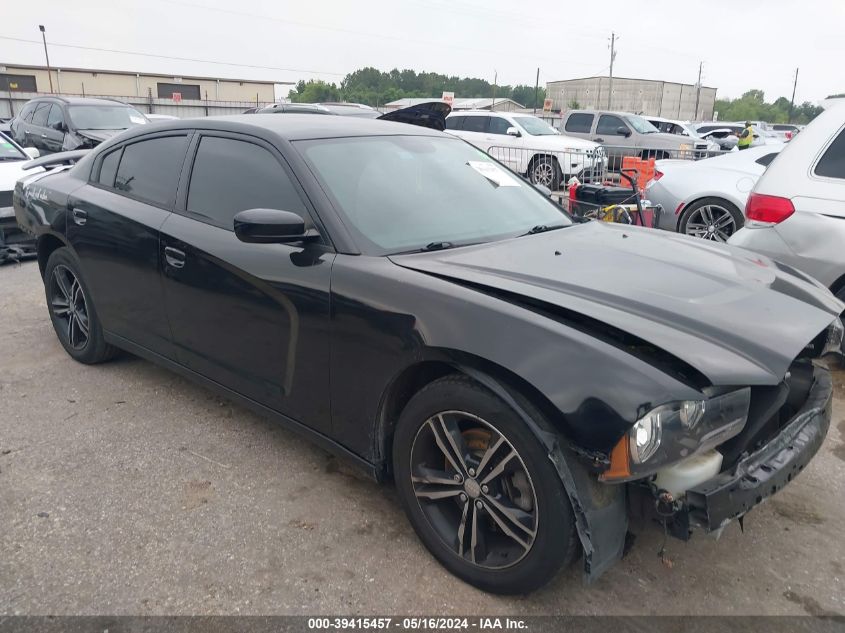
(545, 170)
(72, 311)
(480, 490)
(711, 219)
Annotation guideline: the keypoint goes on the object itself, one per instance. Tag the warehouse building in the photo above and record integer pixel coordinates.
(644, 96)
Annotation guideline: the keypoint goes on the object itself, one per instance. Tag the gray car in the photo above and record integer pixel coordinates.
(629, 135)
(796, 212)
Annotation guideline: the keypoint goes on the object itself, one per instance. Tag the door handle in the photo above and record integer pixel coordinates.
(43, 136)
(599, 140)
(174, 257)
(80, 217)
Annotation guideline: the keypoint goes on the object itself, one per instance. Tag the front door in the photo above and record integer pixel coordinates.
(251, 317)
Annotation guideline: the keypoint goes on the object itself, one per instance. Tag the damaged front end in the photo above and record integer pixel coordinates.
(783, 429)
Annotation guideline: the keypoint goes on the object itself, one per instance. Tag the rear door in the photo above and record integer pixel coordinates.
(252, 317)
(53, 136)
(114, 230)
(580, 124)
(474, 130)
(36, 130)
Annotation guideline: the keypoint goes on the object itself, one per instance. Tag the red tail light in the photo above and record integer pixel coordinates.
(769, 209)
(657, 175)
(789, 136)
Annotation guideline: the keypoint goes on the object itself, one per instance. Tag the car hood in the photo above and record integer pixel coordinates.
(559, 141)
(737, 317)
(10, 172)
(431, 114)
(98, 135)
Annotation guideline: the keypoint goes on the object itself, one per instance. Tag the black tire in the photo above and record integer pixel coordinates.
(693, 221)
(529, 480)
(545, 170)
(72, 310)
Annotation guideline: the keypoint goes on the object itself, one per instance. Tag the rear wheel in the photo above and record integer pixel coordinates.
(711, 219)
(545, 170)
(72, 311)
(480, 490)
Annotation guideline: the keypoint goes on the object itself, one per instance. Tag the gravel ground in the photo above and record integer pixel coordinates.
(125, 489)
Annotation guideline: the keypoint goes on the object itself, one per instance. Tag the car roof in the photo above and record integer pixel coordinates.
(614, 112)
(80, 100)
(293, 126)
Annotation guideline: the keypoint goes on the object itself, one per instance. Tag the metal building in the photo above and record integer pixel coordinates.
(643, 96)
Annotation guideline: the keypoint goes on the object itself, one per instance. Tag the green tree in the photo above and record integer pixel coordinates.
(752, 106)
(314, 91)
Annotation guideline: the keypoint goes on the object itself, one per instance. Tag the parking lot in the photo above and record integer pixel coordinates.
(127, 490)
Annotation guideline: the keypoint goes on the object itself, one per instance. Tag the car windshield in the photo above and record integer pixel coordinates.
(104, 117)
(404, 193)
(10, 151)
(535, 126)
(640, 124)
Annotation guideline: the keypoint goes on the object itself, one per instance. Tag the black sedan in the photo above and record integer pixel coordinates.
(405, 301)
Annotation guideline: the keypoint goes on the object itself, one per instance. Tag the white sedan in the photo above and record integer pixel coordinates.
(706, 198)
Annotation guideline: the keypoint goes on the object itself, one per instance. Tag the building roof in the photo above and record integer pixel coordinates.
(654, 81)
(466, 103)
(132, 73)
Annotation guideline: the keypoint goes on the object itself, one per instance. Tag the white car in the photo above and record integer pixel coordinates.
(682, 128)
(13, 242)
(796, 212)
(706, 198)
(530, 146)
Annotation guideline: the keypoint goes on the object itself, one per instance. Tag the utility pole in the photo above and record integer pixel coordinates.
(612, 58)
(792, 101)
(698, 91)
(536, 90)
(44, 39)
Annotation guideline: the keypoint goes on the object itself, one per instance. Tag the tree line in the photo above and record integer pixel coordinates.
(375, 88)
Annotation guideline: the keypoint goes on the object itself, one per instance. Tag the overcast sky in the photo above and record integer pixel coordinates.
(743, 43)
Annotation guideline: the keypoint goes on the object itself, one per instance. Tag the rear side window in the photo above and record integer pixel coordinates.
(767, 159)
(108, 168)
(26, 113)
(832, 164)
(230, 176)
(454, 122)
(475, 124)
(150, 169)
(579, 122)
(40, 115)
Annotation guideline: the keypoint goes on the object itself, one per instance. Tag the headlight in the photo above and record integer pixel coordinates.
(835, 332)
(674, 431)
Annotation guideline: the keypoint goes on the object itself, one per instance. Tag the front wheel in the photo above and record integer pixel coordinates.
(711, 219)
(72, 310)
(545, 170)
(480, 490)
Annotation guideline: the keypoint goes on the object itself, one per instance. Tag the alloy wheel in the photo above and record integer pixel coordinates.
(474, 489)
(711, 222)
(543, 173)
(67, 302)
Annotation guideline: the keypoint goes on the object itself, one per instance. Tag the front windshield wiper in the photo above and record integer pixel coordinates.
(542, 228)
(437, 246)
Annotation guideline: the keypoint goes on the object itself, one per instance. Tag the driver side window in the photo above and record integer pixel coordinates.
(609, 124)
(56, 116)
(498, 125)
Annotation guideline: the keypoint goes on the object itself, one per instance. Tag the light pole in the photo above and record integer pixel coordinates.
(44, 39)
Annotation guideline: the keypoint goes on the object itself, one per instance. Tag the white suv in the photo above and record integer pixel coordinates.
(530, 146)
(796, 212)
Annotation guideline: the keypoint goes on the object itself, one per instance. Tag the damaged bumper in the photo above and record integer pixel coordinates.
(729, 495)
(14, 243)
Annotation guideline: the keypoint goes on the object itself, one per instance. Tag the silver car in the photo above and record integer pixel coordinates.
(796, 212)
(706, 198)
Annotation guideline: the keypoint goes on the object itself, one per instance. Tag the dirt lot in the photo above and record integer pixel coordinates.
(127, 490)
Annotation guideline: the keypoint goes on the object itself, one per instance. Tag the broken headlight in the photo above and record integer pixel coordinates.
(833, 343)
(674, 431)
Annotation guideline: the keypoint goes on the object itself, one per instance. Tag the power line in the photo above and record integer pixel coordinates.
(181, 59)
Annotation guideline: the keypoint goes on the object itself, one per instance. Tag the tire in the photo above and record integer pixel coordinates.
(72, 310)
(703, 219)
(545, 170)
(527, 488)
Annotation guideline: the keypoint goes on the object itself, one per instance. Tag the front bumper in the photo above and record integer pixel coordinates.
(14, 243)
(729, 495)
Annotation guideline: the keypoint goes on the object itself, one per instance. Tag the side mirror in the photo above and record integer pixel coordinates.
(271, 226)
(32, 152)
(59, 126)
(512, 131)
(623, 131)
